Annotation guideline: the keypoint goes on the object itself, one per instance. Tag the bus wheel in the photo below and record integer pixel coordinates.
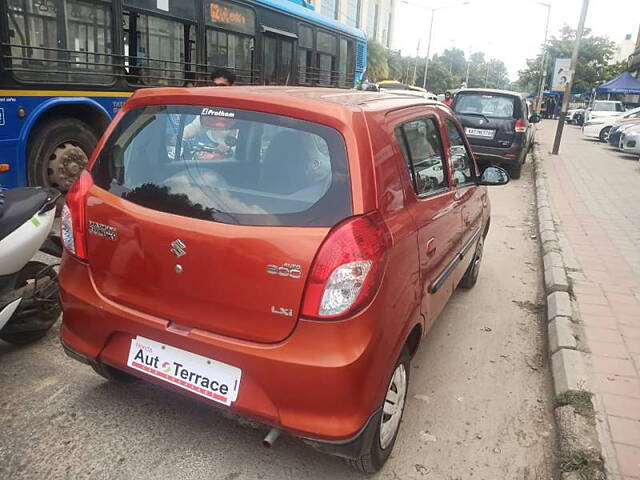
(59, 150)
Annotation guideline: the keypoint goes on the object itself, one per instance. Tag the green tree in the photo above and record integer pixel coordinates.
(447, 71)
(593, 61)
(377, 61)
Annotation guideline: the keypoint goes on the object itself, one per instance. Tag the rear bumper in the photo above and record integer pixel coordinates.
(325, 383)
(499, 156)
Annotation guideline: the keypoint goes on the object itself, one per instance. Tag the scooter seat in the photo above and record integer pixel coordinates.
(20, 204)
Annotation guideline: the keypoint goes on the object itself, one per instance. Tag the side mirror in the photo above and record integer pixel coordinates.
(494, 176)
(535, 118)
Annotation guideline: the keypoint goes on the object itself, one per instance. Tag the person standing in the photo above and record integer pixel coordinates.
(448, 98)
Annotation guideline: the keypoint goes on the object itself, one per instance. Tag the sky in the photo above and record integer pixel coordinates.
(509, 30)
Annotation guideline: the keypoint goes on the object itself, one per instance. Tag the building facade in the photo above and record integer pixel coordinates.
(375, 17)
(624, 48)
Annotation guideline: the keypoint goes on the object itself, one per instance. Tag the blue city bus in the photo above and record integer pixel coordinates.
(67, 66)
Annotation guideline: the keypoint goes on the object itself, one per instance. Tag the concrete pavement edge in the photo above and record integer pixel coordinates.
(572, 394)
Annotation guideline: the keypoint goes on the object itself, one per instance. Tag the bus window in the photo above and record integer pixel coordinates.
(88, 35)
(156, 56)
(327, 52)
(34, 26)
(305, 54)
(230, 38)
(342, 65)
(42, 51)
(277, 60)
(231, 51)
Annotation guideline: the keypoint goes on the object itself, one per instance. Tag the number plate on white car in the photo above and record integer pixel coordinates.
(214, 380)
(479, 132)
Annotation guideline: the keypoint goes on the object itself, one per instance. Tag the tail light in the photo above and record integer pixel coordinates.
(348, 268)
(520, 126)
(73, 218)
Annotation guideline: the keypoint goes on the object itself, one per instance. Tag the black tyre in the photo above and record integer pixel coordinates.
(604, 134)
(515, 171)
(59, 150)
(38, 323)
(112, 374)
(392, 410)
(470, 277)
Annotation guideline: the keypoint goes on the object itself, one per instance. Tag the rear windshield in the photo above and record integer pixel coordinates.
(489, 105)
(608, 107)
(225, 165)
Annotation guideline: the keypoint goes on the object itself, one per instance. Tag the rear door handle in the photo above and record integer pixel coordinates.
(431, 247)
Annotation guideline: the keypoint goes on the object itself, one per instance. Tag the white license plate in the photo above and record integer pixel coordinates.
(480, 132)
(209, 378)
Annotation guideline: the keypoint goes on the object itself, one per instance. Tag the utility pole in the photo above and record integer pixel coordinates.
(543, 67)
(567, 90)
(486, 76)
(426, 64)
(466, 78)
(415, 65)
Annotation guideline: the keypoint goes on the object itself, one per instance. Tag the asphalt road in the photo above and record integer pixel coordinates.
(478, 405)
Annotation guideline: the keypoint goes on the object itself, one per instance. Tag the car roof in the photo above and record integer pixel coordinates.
(312, 98)
(491, 90)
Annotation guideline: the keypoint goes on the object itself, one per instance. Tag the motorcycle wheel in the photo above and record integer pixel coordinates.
(42, 319)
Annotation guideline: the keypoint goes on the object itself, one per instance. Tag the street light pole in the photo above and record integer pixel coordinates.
(426, 64)
(466, 78)
(543, 67)
(572, 71)
(486, 76)
(415, 65)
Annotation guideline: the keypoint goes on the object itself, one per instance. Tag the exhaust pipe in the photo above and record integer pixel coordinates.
(271, 437)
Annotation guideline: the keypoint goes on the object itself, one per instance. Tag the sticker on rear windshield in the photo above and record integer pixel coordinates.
(210, 112)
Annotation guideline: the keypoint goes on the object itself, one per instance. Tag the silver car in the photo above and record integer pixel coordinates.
(630, 140)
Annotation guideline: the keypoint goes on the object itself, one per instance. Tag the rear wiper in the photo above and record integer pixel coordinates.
(476, 115)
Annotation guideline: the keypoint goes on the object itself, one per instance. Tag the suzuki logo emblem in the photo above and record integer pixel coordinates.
(178, 248)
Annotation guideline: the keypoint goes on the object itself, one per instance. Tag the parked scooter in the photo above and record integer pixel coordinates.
(29, 304)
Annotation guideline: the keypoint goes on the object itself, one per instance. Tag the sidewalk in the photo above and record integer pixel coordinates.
(595, 197)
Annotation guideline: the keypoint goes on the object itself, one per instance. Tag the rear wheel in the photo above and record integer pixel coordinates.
(59, 150)
(604, 134)
(470, 277)
(34, 317)
(515, 171)
(392, 409)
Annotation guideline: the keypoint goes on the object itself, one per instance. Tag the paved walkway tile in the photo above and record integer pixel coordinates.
(595, 197)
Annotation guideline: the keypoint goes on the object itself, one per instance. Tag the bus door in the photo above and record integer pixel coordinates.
(277, 56)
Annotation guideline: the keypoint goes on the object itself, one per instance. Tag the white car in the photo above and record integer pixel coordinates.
(572, 115)
(604, 108)
(630, 141)
(600, 127)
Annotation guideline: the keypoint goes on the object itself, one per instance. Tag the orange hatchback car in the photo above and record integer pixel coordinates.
(276, 251)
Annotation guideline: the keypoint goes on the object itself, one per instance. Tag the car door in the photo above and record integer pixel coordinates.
(470, 198)
(431, 202)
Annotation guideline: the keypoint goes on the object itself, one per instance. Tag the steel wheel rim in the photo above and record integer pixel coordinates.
(65, 163)
(393, 406)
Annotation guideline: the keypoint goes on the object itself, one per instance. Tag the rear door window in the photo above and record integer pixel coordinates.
(230, 166)
(422, 150)
(488, 105)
